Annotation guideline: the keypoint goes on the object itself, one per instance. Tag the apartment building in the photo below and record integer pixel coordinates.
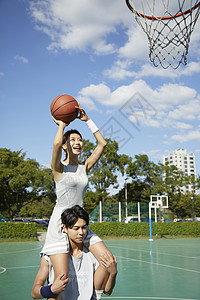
(184, 162)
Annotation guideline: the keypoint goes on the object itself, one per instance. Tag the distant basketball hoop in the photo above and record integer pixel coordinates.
(168, 25)
(156, 202)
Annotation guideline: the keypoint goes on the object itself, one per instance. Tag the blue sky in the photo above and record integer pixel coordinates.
(95, 51)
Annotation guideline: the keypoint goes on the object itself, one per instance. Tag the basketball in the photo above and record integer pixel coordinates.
(63, 108)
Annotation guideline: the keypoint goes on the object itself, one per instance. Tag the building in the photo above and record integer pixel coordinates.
(184, 162)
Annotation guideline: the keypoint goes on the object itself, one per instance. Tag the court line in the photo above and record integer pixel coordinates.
(157, 264)
(14, 268)
(20, 251)
(3, 270)
(154, 298)
(23, 267)
(153, 251)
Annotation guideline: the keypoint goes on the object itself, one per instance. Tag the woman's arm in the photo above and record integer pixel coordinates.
(57, 150)
(101, 142)
(96, 154)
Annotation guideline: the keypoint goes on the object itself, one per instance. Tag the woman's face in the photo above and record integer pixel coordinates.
(74, 144)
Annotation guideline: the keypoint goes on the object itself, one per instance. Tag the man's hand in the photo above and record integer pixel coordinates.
(59, 284)
(109, 262)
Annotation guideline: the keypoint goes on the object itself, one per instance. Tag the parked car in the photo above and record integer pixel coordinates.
(41, 222)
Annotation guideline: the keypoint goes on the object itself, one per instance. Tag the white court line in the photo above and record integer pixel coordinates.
(153, 251)
(21, 251)
(3, 270)
(14, 268)
(24, 267)
(157, 264)
(154, 298)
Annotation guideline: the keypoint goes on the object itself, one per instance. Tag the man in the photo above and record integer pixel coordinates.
(85, 281)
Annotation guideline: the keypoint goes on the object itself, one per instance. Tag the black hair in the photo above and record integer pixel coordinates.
(71, 215)
(67, 134)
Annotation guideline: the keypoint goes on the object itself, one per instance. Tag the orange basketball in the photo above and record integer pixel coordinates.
(63, 108)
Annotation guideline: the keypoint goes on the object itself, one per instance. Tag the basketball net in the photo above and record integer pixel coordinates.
(168, 27)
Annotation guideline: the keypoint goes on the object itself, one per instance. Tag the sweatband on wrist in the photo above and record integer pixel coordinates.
(46, 292)
(92, 126)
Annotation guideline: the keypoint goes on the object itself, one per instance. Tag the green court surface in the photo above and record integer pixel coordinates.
(161, 269)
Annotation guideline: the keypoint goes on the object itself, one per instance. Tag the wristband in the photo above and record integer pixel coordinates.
(46, 292)
(92, 126)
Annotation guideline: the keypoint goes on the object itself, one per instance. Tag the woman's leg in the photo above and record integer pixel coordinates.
(60, 266)
(98, 250)
(101, 275)
(100, 279)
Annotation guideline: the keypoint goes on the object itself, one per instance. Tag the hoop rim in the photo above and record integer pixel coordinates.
(161, 18)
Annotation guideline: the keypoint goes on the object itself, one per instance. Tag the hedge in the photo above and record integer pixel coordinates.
(109, 229)
(18, 230)
(117, 229)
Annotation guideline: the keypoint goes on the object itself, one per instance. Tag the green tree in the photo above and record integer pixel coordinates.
(22, 182)
(105, 172)
(146, 179)
(38, 208)
(173, 181)
(90, 201)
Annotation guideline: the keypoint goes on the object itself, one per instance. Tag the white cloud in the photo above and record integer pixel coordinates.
(163, 107)
(21, 58)
(94, 93)
(188, 70)
(181, 125)
(2, 74)
(79, 25)
(137, 45)
(190, 136)
(87, 25)
(188, 111)
(121, 71)
(153, 154)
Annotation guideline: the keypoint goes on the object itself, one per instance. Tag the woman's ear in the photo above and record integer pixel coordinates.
(64, 146)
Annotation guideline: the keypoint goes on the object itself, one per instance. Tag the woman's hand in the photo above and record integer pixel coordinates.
(81, 113)
(59, 122)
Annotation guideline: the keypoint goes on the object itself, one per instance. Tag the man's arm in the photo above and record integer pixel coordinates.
(41, 277)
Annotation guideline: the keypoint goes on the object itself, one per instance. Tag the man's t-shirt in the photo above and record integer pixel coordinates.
(81, 276)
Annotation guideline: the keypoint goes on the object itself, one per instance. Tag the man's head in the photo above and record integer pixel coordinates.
(75, 221)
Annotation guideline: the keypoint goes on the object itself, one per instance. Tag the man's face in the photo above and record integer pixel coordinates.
(78, 232)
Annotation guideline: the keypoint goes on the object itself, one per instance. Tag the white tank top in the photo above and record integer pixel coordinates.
(71, 188)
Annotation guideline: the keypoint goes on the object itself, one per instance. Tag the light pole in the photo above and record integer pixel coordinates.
(126, 206)
(194, 204)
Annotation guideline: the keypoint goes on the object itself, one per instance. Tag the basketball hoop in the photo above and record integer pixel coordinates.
(168, 27)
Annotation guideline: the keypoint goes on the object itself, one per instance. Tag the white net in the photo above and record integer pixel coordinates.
(168, 25)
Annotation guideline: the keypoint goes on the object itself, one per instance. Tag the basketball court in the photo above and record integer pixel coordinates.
(158, 269)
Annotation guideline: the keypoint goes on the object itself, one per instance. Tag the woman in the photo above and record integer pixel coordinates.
(71, 184)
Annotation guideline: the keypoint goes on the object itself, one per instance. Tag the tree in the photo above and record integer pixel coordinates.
(22, 181)
(106, 170)
(146, 178)
(37, 209)
(90, 201)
